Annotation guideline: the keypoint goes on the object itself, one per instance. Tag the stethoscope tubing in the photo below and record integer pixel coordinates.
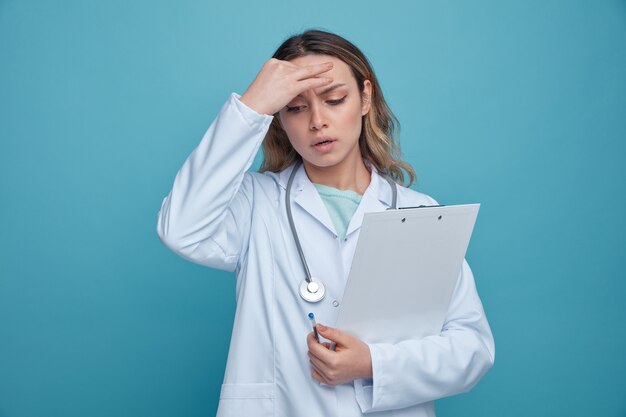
(308, 278)
(292, 225)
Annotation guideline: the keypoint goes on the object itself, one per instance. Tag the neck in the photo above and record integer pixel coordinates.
(352, 175)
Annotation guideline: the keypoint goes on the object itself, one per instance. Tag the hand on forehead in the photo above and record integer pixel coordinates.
(340, 73)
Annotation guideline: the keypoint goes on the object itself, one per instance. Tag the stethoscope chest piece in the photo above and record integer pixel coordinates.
(313, 291)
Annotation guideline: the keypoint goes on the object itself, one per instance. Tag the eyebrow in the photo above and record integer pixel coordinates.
(327, 89)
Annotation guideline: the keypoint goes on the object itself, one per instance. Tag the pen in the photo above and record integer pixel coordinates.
(313, 323)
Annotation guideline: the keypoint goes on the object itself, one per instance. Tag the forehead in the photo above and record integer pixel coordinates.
(340, 72)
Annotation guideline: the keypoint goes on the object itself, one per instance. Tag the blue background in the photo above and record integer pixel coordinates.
(518, 105)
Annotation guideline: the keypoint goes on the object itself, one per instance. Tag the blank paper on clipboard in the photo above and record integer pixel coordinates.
(404, 271)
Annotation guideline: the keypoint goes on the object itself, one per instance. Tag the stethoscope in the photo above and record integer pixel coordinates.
(312, 289)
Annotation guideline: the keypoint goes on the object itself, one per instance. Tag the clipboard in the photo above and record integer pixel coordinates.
(405, 268)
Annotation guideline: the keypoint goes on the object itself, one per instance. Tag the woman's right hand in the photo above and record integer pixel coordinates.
(279, 82)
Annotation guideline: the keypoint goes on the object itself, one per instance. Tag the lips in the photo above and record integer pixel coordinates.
(323, 141)
(324, 144)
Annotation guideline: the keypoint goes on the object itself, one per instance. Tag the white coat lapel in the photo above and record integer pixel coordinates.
(306, 196)
(377, 197)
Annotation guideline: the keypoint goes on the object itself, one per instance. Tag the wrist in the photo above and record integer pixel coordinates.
(251, 103)
(366, 366)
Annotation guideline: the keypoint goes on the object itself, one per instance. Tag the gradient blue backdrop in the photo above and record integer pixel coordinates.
(518, 105)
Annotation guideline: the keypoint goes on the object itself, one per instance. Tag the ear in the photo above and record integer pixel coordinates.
(366, 97)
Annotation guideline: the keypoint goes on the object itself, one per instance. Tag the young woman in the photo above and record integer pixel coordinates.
(329, 157)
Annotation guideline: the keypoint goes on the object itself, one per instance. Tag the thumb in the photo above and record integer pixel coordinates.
(336, 335)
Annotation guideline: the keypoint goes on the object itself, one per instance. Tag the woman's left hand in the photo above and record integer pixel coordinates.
(350, 360)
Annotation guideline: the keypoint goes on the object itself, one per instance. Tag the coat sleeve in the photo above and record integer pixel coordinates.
(452, 362)
(206, 216)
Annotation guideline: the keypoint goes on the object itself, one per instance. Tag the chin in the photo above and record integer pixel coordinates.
(323, 162)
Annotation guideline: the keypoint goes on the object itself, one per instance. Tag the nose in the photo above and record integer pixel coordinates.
(318, 117)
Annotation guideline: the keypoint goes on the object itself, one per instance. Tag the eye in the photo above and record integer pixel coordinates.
(294, 109)
(338, 101)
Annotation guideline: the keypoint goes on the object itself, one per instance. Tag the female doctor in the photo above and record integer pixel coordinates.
(289, 233)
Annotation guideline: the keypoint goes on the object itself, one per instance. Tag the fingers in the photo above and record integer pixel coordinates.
(310, 76)
(324, 373)
(321, 372)
(318, 377)
(309, 71)
(318, 364)
(339, 337)
(313, 83)
(310, 340)
(319, 350)
(280, 81)
(351, 361)
(319, 354)
(325, 364)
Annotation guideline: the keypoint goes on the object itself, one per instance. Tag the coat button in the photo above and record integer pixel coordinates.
(335, 303)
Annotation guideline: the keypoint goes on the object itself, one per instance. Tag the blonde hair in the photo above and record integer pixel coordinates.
(377, 140)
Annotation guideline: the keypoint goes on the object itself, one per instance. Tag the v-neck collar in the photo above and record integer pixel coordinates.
(377, 197)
